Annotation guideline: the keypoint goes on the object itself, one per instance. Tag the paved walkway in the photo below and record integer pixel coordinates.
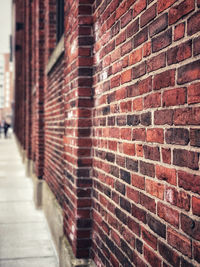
(24, 236)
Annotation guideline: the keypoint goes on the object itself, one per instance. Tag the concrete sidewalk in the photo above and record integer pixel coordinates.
(25, 240)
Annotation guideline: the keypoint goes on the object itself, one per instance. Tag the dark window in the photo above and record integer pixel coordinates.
(60, 19)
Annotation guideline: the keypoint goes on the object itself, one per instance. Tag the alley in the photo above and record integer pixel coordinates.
(24, 236)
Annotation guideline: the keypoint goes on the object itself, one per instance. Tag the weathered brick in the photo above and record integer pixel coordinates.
(190, 227)
(185, 158)
(193, 23)
(155, 189)
(140, 37)
(156, 226)
(138, 213)
(168, 254)
(147, 169)
(196, 206)
(162, 117)
(162, 41)
(152, 100)
(151, 257)
(196, 251)
(166, 155)
(147, 202)
(166, 174)
(162, 4)
(179, 31)
(158, 25)
(179, 53)
(156, 62)
(168, 214)
(187, 116)
(177, 12)
(177, 198)
(132, 28)
(189, 181)
(152, 153)
(155, 135)
(189, 72)
(195, 137)
(174, 97)
(138, 181)
(148, 15)
(178, 136)
(194, 93)
(139, 70)
(164, 79)
(196, 46)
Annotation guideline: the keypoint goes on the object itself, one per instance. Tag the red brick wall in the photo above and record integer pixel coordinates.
(121, 127)
(146, 133)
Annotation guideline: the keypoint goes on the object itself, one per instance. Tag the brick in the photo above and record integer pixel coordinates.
(156, 62)
(196, 46)
(177, 198)
(139, 246)
(147, 169)
(121, 215)
(166, 174)
(189, 181)
(133, 226)
(156, 226)
(162, 4)
(132, 28)
(193, 23)
(148, 15)
(131, 164)
(179, 31)
(120, 187)
(132, 194)
(164, 79)
(121, 38)
(126, 48)
(162, 117)
(158, 25)
(138, 7)
(174, 97)
(115, 81)
(145, 119)
(129, 149)
(138, 104)
(196, 251)
(155, 135)
(155, 189)
(138, 213)
(194, 93)
(168, 214)
(185, 263)
(138, 181)
(125, 204)
(189, 72)
(116, 54)
(139, 134)
(147, 49)
(187, 116)
(184, 158)
(196, 206)
(126, 18)
(139, 70)
(145, 85)
(168, 254)
(125, 134)
(148, 203)
(162, 41)
(166, 155)
(152, 153)
(190, 227)
(139, 150)
(140, 37)
(150, 239)
(179, 53)
(126, 76)
(178, 11)
(151, 257)
(152, 100)
(178, 136)
(135, 57)
(126, 106)
(125, 176)
(195, 137)
(133, 120)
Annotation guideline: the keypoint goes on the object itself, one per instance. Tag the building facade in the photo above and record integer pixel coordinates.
(107, 116)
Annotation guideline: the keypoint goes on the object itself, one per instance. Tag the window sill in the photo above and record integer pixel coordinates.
(58, 51)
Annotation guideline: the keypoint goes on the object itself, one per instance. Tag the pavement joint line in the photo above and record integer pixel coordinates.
(25, 258)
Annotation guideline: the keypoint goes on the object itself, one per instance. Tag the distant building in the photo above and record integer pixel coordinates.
(6, 87)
